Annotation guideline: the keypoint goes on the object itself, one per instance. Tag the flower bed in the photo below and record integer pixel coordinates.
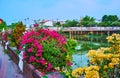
(43, 51)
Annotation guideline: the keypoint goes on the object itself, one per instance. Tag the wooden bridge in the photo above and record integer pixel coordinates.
(80, 33)
(86, 28)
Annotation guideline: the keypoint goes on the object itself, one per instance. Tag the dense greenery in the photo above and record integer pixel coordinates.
(57, 24)
(12, 26)
(109, 20)
(69, 23)
(87, 21)
(2, 24)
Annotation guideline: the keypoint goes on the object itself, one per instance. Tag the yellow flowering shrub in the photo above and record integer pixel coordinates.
(90, 72)
(104, 62)
(18, 32)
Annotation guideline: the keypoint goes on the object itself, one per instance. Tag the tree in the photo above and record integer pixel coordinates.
(12, 26)
(69, 23)
(2, 24)
(110, 20)
(88, 21)
(57, 24)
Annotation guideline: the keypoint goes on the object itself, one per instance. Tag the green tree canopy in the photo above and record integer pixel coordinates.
(69, 23)
(57, 24)
(2, 25)
(87, 21)
(12, 26)
(110, 20)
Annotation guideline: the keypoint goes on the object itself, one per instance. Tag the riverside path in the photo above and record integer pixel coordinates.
(8, 69)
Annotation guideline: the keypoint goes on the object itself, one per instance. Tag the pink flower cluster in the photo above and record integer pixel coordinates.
(9, 31)
(4, 36)
(32, 40)
(35, 25)
(53, 34)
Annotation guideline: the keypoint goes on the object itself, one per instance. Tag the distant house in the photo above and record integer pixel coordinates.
(62, 22)
(47, 23)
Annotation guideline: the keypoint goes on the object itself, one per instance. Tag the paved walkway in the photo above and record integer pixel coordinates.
(8, 69)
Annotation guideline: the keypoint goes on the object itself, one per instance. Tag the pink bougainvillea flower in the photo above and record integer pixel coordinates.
(40, 46)
(30, 40)
(24, 55)
(38, 54)
(24, 41)
(69, 63)
(37, 34)
(4, 36)
(20, 47)
(36, 25)
(41, 61)
(44, 38)
(49, 66)
(40, 51)
(31, 59)
(54, 34)
(30, 49)
(62, 39)
(35, 43)
(9, 31)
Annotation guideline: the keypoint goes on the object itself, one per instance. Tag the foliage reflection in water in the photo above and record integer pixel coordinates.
(79, 60)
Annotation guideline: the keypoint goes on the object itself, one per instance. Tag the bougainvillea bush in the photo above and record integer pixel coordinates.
(104, 62)
(6, 35)
(46, 49)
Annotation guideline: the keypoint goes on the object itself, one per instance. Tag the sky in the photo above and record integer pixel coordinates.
(18, 10)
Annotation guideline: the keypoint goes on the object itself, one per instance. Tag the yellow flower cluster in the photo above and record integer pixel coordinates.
(107, 57)
(99, 55)
(115, 60)
(90, 72)
(115, 38)
(115, 49)
(105, 67)
(77, 72)
(18, 32)
(111, 65)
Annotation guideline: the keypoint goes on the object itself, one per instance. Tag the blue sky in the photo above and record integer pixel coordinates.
(15, 10)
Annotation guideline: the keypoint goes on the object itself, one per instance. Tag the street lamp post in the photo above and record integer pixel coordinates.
(27, 24)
